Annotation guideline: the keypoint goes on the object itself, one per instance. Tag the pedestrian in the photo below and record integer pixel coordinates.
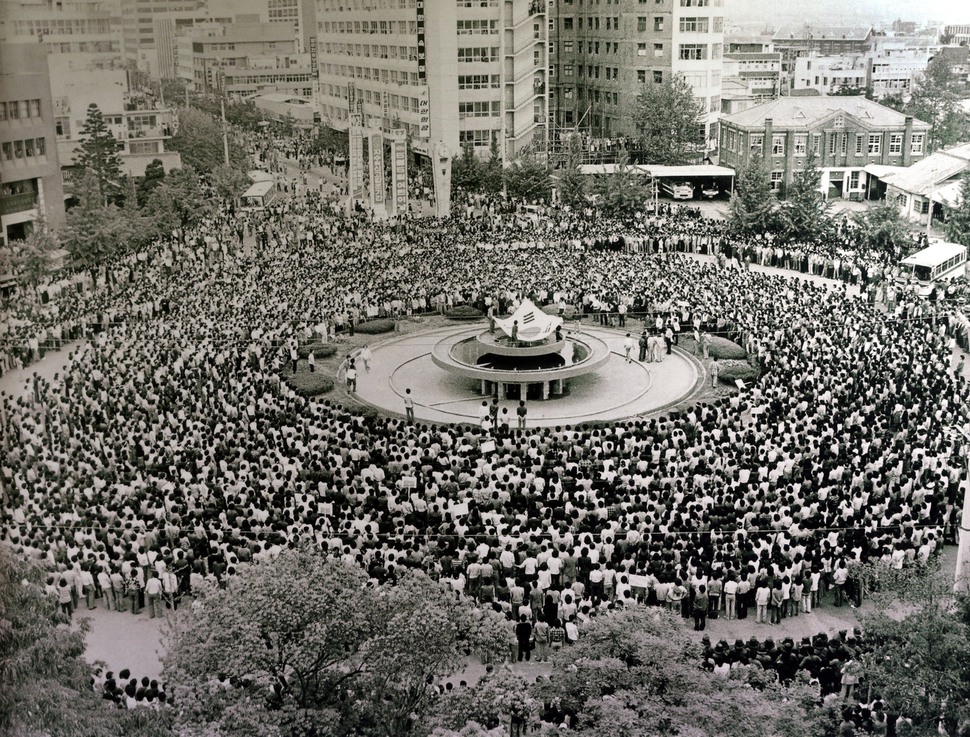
(523, 635)
(408, 406)
(351, 376)
(643, 347)
(715, 371)
(365, 357)
(628, 348)
(521, 412)
(311, 361)
(701, 602)
(153, 596)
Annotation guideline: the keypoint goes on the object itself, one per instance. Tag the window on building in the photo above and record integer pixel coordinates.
(7, 148)
(658, 77)
(642, 76)
(642, 23)
(895, 143)
(777, 177)
(756, 142)
(692, 52)
(40, 146)
(658, 51)
(875, 143)
(13, 109)
(839, 119)
(567, 70)
(801, 144)
(689, 24)
(916, 144)
(567, 47)
(832, 142)
(718, 25)
(859, 144)
(18, 149)
(567, 24)
(854, 180)
(658, 23)
(641, 49)
(843, 149)
(778, 144)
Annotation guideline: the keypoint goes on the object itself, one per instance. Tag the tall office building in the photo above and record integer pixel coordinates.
(458, 72)
(603, 52)
(30, 175)
(138, 31)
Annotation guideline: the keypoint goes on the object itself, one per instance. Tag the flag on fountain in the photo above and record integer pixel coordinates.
(534, 324)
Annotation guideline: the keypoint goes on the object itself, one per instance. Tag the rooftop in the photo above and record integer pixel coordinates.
(924, 177)
(803, 112)
(805, 33)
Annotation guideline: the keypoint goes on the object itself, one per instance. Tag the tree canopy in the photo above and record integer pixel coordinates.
(98, 153)
(936, 100)
(94, 230)
(528, 180)
(623, 193)
(753, 206)
(305, 646)
(668, 123)
(884, 230)
(958, 216)
(199, 141)
(804, 213)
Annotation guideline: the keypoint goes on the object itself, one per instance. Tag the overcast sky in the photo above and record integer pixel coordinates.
(846, 12)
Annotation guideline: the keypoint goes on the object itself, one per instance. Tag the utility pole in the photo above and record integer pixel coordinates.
(222, 107)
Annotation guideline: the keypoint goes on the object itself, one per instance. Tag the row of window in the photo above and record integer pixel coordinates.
(478, 81)
(378, 51)
(387, 76)
(591, 95)
(870, 143)
(477, 27)
(593, 47)
(777, 177)
(382, 27)
(25, 149)
(396, 102)
(475, 138)
(479, 109)
(19, 109)
(592, 71)
(63, 27)
(569, 23)
(367, 4)
(478, 53)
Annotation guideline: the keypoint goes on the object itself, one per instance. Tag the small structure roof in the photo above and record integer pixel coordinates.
(804, 112)
(925, 177)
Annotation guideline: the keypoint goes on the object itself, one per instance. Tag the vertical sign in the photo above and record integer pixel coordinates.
(377, 185)
(399, 171)
(386, 106)
(356, 173)
(422, 58)
(351, 98)
(313, 57)
(424, 113)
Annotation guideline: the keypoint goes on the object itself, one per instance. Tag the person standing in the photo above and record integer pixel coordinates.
(351, 377)
(643, 346)
(762, 596)
(311, 361)
(715, 372)
(523, 635)
(521, 411)
(153, 596)
(701, 602)
(730, 597)
(408, 406)
(628, 348)
(365, 357)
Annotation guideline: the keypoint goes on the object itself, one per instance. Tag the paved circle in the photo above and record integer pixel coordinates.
(618, 390)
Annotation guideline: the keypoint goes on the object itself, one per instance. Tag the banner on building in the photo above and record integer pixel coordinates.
(356, 163)
(399, 171)
(422, 56)
(377, 183)
(351, 98)
(313, 56)
(424, 114)
(386, 106)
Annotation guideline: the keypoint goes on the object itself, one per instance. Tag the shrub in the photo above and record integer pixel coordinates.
(722, 348)
(308, 384)
(373, 327)
(463, 312)
(320, 350)
(731, 371)
(571, 312)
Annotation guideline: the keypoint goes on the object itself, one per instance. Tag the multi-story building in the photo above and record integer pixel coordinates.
(958, 35)
(894, 71)
(830, 75)
(168, 27)
(79, 34)
(30, 174)
(138, 35)
(845, 134)
(821, 40)
(605, 54)
(140, 133)
(243, 60)
(749, 78)
(459, 72)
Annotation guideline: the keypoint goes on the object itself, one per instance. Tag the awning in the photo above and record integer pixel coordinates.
(881, 170)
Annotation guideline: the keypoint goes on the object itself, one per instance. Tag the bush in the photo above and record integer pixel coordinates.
(571, 312)
(722, 348)
(373, 327)
(463, 312)
(308, 384)
(731, 371)
(320, 350)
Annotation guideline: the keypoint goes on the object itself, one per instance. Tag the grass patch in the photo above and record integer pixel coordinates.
(375, 327)
(732, 370)
(320, 350)
(308, 384)
(724, 349)
(463, 312)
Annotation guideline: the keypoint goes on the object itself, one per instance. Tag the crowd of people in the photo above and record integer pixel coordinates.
(168, 451)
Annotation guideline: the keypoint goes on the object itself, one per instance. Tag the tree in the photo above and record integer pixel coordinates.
(528, 180)
(936, 100)
(45, 683)
(228, 183)
(154, 175)
(199, 141)
(638, 674)
(958, 216)
(179, 202)
(883, 230)
(753, 207)
(919, 664)
(303, 645)
(804, 213)
(499, 697)
(668, 122)
(95, 231)
(32, 258)
(623, 193)
(572, 183)
(98, 153)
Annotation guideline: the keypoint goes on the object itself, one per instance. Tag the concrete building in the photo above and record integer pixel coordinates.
(140, 133)
(78, 34)
(138, 35)
(458, 72)
(830, 75)
(168, 27)
(820, 40)
(922, 190)
(958, 35)
(749, 78)
(604, 56)
(30, 174)
(243, 60)
(845, 134)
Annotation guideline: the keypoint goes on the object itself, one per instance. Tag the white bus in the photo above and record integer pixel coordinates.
(677, 190)
(260, 195)
(938, 261)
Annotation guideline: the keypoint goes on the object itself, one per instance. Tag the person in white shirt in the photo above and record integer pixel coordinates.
(153, 596)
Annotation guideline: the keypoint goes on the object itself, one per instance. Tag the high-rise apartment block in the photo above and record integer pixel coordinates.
(604, 52)
(458, 72)
(138, 30)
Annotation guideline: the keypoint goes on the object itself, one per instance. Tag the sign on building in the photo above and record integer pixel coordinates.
(399, 171)
(377, 184)
(356, 163)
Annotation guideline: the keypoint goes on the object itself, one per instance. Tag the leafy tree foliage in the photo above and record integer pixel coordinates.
(884, 230)
(637, 674)
(98, 152)
(305, 646)
(45, 683)
(753, 206)
(95, 231)
(958, 216)
(471, 173)
(623, 193)
(31, 259)
(528, 180)
(228, 183)
(495, 700)
(668, 122)
(179, 202)
(804, 213)
(936, 100)
(572, 184)
(199, 141)
(147, 184)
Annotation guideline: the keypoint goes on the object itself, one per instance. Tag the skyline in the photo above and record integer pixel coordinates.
(846, 12)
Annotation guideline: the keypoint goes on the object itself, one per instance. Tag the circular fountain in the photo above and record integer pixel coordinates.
(526, 355)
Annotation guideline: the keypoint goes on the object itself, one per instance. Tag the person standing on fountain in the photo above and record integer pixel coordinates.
(408, 406)
(643, 347)
(515, 332)
(628, 348)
